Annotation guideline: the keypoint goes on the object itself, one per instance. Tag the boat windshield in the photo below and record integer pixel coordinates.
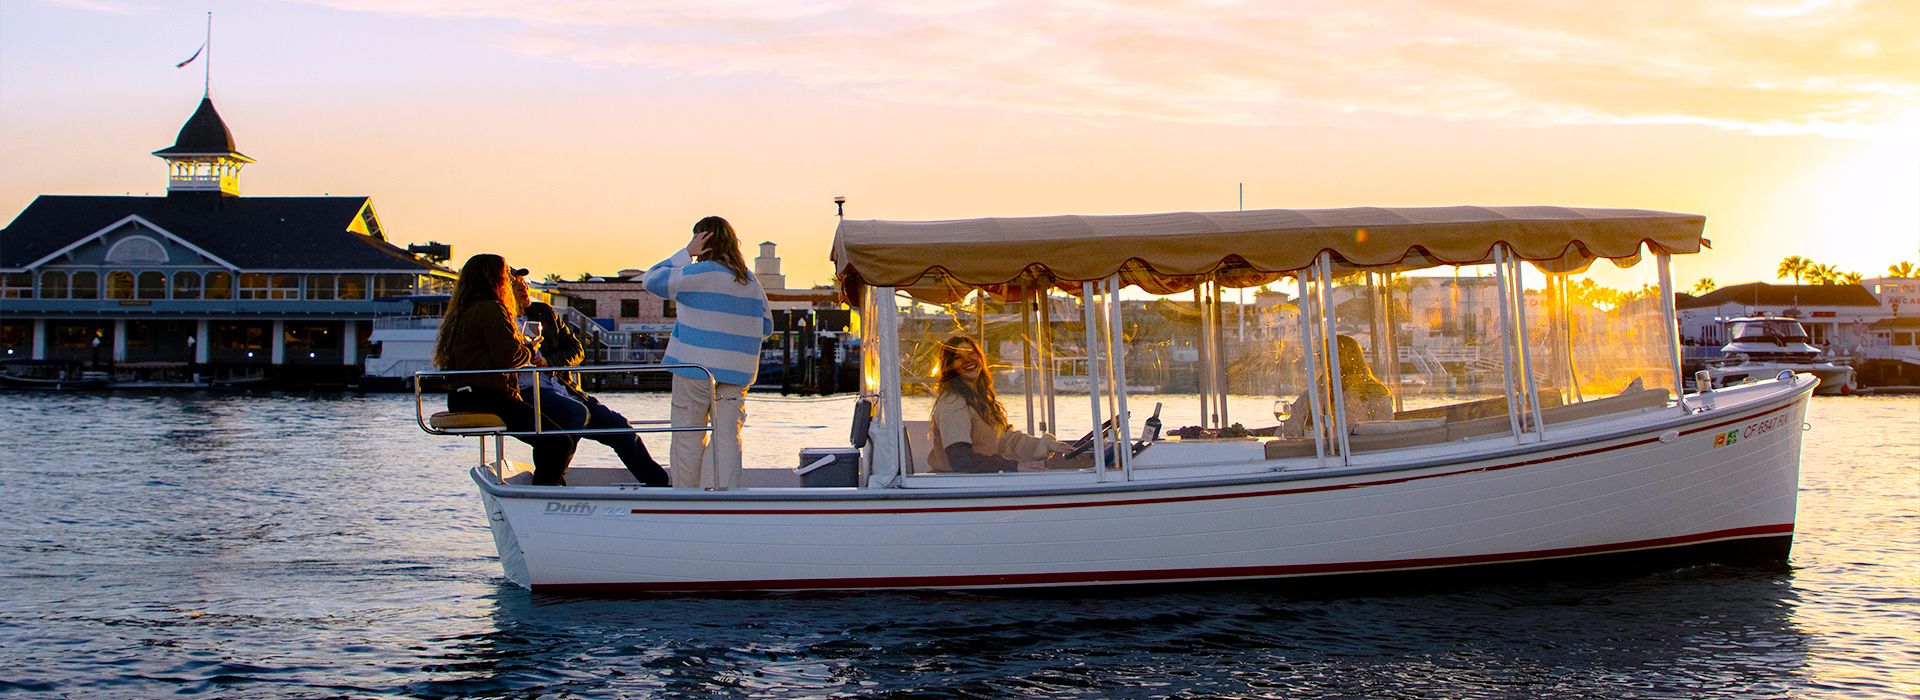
(1771, 330)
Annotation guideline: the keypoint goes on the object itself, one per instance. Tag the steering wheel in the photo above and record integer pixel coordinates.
(1085, 443)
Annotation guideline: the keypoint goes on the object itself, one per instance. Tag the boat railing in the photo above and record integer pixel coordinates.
(419, 401)
(497, 429)
(406, 322)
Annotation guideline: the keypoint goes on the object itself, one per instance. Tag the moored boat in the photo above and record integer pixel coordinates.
(1589, 453)
(1764, 346)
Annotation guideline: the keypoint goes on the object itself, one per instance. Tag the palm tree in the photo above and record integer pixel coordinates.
(1821, 273)
(1793, 266)
(1900, 269)
(1703, 286)
(553, 278)
(1850, 278)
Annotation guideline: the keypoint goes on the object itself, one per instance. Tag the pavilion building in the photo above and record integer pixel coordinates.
(203, 281)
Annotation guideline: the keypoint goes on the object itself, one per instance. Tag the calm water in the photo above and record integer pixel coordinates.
(313, 546)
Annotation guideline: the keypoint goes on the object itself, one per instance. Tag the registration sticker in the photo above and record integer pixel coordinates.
(1751, 429)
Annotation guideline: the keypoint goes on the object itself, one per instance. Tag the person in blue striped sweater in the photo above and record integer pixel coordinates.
(721, 320)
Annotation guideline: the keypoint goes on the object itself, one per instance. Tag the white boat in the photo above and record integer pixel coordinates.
(1571, 467)
(401, 346)
(1764, 346)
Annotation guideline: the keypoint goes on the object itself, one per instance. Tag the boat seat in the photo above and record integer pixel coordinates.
(916, 432)
(1283, 448)
(1628, 401)
(466, 423)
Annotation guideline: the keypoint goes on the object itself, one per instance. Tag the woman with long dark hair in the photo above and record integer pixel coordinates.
(722, 316)
(478, 333)
(970, 428)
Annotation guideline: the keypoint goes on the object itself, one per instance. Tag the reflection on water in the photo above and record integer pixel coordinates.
(313, 545)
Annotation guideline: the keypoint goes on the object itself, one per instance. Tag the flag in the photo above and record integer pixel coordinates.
(196, 54)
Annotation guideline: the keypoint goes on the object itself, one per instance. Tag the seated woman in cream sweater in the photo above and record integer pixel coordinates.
(970, 429)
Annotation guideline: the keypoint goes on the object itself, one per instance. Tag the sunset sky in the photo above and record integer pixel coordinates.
(589, 135)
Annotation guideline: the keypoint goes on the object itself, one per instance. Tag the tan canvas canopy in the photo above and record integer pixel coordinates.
(1169, 252)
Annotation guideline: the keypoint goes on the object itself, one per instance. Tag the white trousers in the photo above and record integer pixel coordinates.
(696, 460)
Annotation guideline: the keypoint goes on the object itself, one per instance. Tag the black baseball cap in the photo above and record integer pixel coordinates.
(519, 271)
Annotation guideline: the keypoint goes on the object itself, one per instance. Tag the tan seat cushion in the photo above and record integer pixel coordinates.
(466, 422)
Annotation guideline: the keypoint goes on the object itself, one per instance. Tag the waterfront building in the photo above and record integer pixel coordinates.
(1837, 316)
(203, 284)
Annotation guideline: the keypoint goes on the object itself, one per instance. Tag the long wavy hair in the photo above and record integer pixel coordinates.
(978, 393)
(482, 279)
(1355, 376)
(724, 247)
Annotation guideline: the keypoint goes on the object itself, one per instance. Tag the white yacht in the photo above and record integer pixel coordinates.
(1765, 346)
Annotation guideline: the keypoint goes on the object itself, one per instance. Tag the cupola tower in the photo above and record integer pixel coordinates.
(203, 160)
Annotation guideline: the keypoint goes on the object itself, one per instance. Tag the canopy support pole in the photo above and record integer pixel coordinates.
(1310, 355)
(1330, 335)
(1218, 343)
(1506, 338)
(1090, 319)
(1117, 359)
(1045, 358)
(1202, 376)
(888, 333)
(1672, 327)
(1526, 356)
(1028, 376)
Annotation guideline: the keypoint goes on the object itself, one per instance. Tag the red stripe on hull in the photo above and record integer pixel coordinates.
(1169, 575)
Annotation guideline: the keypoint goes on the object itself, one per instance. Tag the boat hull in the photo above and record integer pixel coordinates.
(1721, 484)
(1835, 380)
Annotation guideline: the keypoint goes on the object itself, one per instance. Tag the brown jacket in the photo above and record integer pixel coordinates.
(487, 339)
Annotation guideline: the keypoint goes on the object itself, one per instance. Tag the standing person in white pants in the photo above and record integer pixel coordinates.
(722, 319)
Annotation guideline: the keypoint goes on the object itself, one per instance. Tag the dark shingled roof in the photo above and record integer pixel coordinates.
(205, 133)
(257, 233)
(1763, 294)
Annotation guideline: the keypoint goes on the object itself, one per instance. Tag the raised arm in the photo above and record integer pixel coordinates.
(663, 279)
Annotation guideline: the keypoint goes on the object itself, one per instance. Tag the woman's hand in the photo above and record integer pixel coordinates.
(697, 245)
(1060, 448)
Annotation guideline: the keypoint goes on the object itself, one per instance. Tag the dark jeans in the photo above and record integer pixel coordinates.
(551, 453)
(570, 410)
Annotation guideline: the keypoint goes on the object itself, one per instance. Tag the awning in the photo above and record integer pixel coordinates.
(1170, 252)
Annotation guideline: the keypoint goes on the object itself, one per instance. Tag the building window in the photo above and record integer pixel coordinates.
(629, 308)
(53, 285)
(120, 284)
(667, 309)
(392, 285)
(285, 287)
(86, 285)
(186, 285)
(353, 287)
(253, 285)
(219, 286)
(590, 307)
(16, 285)
(137, 250)
(320, 287)
(153, 285)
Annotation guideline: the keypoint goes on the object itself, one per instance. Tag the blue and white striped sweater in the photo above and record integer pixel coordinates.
(719, 323)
